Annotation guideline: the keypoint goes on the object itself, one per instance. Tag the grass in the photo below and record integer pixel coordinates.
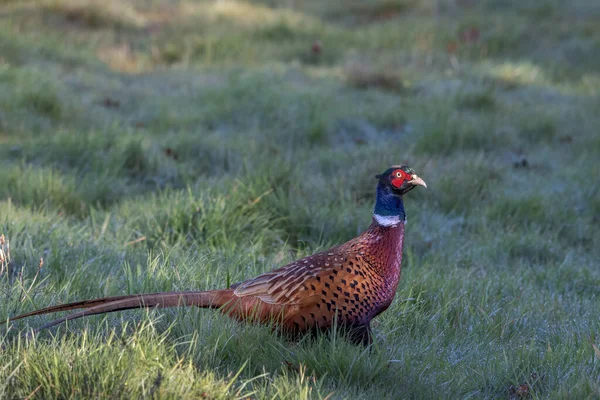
(158, 145)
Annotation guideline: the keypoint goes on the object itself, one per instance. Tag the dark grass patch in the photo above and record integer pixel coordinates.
(532, 248)
(481, 100)
(107, 155)
(43, 101)
(276, 40)
(40, 187)
(175, 49)
(290, 115)
(563, 223)
(469, 186)
(538, 127)
(520, 211)
(363, 78)
(206, 154)
(374, 12)
(454, 135)
(444, 129)
(136, 160)
(500, 37)
(391, 117)
(211, 218)
(284, 31)
(30, 90)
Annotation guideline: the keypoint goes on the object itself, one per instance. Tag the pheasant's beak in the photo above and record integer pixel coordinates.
(417, 181)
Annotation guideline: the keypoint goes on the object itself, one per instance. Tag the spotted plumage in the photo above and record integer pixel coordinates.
(347, 285)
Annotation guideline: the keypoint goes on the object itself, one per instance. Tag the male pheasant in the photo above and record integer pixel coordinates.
(347, 285)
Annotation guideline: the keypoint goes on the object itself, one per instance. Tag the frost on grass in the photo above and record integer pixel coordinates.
(151, 146)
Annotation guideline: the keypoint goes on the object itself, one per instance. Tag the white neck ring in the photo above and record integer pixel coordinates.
(387, 220)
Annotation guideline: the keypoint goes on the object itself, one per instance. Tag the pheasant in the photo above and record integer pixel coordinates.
(345, 286)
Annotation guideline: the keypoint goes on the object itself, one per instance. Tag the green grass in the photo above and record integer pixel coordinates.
(158, 145)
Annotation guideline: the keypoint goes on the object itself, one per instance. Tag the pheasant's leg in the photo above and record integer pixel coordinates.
(361, 335)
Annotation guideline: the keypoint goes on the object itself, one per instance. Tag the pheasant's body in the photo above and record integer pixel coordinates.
(347, 285)
(353, 282)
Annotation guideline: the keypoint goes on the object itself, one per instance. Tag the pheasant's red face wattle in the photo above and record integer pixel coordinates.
(398, 177)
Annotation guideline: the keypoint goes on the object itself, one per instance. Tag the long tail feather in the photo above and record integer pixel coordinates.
(207, 299)
(71, 306)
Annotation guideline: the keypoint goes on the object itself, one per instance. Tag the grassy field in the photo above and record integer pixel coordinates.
(150, 145)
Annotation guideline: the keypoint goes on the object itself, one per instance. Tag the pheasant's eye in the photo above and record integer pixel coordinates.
(398, 175)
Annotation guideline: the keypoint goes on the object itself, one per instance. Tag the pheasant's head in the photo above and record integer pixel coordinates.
(393, 184)
(400, 179)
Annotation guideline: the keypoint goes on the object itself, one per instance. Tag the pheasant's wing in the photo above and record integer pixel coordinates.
(316, 290)
(294, 283)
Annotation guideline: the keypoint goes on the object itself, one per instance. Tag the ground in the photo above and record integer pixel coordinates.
(151, 145)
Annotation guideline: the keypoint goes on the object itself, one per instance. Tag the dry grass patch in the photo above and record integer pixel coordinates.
(122, 58)
(97, 14)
